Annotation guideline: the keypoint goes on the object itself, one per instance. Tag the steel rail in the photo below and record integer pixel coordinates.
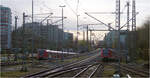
(76, 63)
(83, 71)
(77, 75)
(65, 71)
(58, 68)
(94, 71)
(135, 71)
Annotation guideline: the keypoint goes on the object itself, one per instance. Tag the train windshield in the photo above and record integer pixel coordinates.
(41, 52)
(105, 52)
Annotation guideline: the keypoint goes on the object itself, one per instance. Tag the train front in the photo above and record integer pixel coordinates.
(42, 54)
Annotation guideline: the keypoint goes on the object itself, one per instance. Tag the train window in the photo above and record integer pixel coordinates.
(105, 52)
(41, 52)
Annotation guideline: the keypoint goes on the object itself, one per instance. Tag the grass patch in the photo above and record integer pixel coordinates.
(18, 73)
(12, 66)
(140, 61)
(71, 59)
(12, 74)
(108, 71)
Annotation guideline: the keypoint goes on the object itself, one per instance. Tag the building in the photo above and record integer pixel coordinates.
(52, 33)
(68, 37)
(5, 27)
(111, 39)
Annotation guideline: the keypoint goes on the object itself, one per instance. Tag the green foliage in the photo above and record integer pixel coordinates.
(143, 40)
(82, 43)
(12, 74)
(143, 36)
(139, 45)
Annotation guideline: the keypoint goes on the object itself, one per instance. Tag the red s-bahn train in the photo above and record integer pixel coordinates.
(107, 55)
(42, 54)
(51, 54)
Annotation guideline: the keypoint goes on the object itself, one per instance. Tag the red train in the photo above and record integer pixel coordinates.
(107, 55)
(51, 54)
(42, 54)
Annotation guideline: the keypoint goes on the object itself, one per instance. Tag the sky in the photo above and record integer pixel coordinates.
(70, 11)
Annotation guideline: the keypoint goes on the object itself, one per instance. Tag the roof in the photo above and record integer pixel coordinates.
(52, 51)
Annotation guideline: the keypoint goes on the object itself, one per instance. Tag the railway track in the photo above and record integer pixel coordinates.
(64, 68)
(89, 71)
(65, 72)
(134, 71)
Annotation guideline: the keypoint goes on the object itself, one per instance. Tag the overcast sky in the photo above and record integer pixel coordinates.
(47, 6)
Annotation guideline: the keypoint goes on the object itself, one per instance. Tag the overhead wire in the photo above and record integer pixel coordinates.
(49, 9)
(124, 8)
(65, 1)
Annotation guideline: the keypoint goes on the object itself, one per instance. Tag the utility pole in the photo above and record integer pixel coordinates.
(57, 37)
(128, 26)
(87, 37)
(77, 30)
(133, 35)
(90, 37)
(62, 28)
(23, 31)
(77, 23)
(119, 35)
(32, 33)
(24, 68)
(54, 34)
(40, 34)
(47, 32)
(109, 24)
(83, 35)
(16, 20)
(118, 28)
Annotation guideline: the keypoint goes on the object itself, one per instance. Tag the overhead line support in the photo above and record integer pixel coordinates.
(99, 21)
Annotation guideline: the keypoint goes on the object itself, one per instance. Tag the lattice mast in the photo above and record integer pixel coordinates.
(117, 21)
(133, 15)
(128, 15)
(118, 29)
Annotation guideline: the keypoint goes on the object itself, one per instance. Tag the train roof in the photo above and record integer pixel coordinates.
(52, 51)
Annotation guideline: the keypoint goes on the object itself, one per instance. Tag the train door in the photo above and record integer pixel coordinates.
(49, 55)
